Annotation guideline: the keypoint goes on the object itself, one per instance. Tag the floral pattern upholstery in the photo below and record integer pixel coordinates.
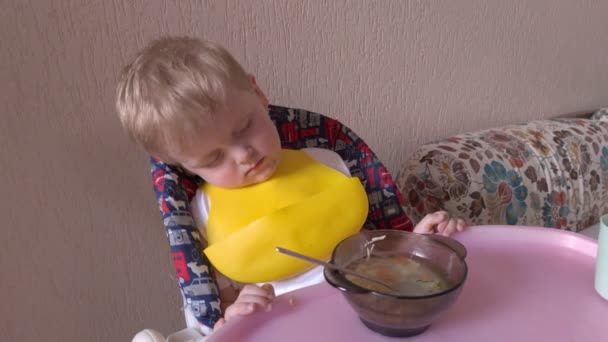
(551, 173)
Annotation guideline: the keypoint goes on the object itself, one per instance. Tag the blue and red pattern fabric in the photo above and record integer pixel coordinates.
(297, 129)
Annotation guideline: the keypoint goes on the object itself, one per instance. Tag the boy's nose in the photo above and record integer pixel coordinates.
(246, 155)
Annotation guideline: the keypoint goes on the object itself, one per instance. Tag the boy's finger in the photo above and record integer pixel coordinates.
(441, 226)
(440, 215)
(269, 290)
(219, 324)
(238, 309)
(257, 291)
(450, 228)
(460, 225)
(262, 301)
(431, 220)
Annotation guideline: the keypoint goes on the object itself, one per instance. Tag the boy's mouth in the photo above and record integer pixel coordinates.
(256, 166)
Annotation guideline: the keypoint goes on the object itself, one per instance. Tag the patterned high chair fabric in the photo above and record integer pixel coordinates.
(298, 129)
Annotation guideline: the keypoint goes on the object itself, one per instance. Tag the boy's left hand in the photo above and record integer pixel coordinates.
(250, 299)
(440, 223)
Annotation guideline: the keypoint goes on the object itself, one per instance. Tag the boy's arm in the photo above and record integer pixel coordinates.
(174, 189)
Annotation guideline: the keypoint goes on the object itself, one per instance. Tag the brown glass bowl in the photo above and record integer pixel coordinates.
(395, 315)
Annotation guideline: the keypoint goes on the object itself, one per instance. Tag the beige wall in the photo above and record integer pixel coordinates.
(83, 253)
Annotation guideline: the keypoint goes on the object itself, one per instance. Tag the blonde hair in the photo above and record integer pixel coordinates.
(172, 88)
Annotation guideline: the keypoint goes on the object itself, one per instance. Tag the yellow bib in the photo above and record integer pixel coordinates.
(305, 206)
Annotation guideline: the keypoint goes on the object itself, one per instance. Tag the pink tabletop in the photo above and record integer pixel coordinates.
(524, 284)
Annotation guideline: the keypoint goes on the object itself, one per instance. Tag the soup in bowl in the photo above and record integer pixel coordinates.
(425, 274)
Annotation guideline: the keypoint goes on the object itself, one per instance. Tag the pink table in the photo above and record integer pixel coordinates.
(524, 284)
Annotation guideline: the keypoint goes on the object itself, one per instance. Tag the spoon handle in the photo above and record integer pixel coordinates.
(332, 266)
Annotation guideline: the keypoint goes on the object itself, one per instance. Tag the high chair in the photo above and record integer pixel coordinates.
(297, 129)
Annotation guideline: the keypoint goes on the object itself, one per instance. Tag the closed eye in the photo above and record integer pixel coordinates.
(215, 159)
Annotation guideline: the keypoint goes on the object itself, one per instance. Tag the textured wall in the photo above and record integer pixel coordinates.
(82, 252)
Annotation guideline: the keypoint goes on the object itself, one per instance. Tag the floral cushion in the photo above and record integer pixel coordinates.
(551, 173)
(601, 114)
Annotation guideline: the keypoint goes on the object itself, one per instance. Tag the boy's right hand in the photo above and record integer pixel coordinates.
(440, 223)
(250, 299)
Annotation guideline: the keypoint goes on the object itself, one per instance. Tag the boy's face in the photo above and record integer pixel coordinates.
(241, 147)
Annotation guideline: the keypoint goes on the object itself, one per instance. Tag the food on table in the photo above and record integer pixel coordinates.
(411, 276)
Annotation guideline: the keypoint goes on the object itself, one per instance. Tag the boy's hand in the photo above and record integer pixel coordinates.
(250, 299)
(440, 223)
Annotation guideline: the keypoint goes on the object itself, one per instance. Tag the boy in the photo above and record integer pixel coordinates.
(190, 104)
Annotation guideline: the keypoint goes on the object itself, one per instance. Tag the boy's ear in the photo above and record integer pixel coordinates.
(258, 91)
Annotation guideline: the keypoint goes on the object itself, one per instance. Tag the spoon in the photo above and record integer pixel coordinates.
(334, 267)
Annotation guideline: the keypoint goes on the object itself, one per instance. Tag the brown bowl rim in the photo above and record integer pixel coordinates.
(358, 289)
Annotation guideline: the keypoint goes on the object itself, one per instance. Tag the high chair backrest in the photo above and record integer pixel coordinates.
(297, 129)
